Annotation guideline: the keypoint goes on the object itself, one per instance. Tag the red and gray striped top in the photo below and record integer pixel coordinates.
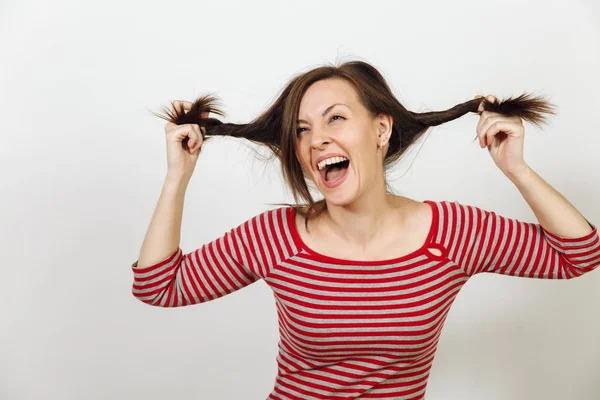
(358, 329)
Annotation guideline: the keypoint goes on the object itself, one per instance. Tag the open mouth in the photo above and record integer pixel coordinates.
(333, 173)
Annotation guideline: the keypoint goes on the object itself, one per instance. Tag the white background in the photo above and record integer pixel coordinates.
(82, 162)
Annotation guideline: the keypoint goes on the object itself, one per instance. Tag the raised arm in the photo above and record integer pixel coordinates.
(482, 241)
(220, 267)
(170, 278)
(163, 275)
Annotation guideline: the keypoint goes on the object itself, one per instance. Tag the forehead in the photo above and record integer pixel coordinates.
(326, 92)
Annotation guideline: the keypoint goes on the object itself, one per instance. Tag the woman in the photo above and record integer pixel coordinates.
(363, 279)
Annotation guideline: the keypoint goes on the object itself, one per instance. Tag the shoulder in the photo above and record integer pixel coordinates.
(449, 207)
(269, 235)
(456, 218)
(274, 218)
(271, 227)
(447, 215)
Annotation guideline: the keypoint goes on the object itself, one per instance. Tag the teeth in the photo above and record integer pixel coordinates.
(329, 161)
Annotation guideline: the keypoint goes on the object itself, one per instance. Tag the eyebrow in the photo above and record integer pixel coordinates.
(324, 112)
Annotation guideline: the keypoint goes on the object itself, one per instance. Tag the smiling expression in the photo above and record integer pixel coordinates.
(333, 121)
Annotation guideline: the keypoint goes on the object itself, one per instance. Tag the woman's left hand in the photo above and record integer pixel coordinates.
(503, 136)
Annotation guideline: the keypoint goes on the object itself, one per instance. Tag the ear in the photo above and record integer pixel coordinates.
(384, 128)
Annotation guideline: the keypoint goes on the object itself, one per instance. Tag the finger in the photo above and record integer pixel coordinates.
(515, 119)
(486, 127)
(187, 105)
(485, 115)
(196, 139)
(170, 125)
(509, 128)
(480, 109)
(179, 132)
(491, 98)
(487, 118)
(182, 104)
(482, 117)
(182, 132)
(484, 122)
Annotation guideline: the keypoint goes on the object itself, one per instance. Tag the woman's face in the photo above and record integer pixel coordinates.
(332, 121)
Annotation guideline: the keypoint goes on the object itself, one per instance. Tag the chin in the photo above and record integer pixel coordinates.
(342, 197)
(337, 202)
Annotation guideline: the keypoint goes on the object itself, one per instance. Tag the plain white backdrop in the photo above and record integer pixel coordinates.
(82, 162)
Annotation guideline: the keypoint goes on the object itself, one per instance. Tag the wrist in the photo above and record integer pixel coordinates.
(176, 181)
(519, 174)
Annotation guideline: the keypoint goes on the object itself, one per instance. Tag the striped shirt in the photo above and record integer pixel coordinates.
(362, 329)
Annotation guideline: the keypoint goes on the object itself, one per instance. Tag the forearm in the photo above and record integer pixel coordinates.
(163, 235)
(552, 209)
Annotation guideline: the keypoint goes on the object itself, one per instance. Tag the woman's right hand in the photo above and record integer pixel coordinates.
(181, 162)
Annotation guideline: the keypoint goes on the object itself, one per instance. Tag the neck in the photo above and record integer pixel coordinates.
(364, 221)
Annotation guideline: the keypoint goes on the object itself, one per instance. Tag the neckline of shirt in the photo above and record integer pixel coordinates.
(291, 220)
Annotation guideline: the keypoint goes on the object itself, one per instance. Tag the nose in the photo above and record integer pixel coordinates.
(319, 137)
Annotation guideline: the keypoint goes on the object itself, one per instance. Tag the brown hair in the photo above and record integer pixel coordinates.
(276, 127)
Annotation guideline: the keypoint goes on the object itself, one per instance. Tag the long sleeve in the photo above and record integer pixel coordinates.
(483, 241)
(220, 267)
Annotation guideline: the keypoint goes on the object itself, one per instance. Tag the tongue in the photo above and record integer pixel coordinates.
(334, 173)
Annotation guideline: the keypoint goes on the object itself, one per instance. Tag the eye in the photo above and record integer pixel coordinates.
(333, 118)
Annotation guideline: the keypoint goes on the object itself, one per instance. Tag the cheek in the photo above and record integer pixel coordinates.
(303, 164)
(302, 154)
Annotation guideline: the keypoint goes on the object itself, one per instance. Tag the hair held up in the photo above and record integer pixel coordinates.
(276, 127)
